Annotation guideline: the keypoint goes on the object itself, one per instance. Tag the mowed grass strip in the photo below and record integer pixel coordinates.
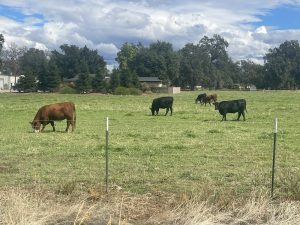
(191, 151)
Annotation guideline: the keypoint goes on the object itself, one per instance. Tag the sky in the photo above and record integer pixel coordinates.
(250, 27)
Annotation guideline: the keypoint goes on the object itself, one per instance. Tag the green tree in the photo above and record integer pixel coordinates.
(114, 79)
(251, 73)
(33, 64)
(53, 77)
(83, 84)
(170, 60)
(1, 46)
(222, 71)
(128, 78)
(43, 77)
(98, 83)
(69, 60)
(282, 66)
(190, 66)
(126, 56)
(27, 83)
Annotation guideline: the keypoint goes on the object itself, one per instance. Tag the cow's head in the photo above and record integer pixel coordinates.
(36, 126)
(216, 104)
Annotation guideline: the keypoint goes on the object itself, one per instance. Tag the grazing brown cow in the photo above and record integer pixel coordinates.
(210, 98)
(54, 112)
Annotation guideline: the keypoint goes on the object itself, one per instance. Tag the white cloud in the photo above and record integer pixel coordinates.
(106, 24)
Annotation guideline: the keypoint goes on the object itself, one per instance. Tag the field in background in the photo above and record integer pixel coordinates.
(189, 152)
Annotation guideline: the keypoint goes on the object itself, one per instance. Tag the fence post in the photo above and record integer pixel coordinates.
(274, 151)
(106, 157)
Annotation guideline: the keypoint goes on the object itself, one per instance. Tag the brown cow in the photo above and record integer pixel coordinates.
(54, 112)
(210, 98)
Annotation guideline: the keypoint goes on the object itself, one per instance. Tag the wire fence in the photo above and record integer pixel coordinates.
(149, 153)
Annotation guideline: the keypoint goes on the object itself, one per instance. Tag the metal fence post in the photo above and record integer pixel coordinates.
(106, 157)
(274, 151)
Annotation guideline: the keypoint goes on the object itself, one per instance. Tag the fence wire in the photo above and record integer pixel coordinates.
(163, 156)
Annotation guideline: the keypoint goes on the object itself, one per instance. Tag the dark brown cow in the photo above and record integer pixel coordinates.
(210, 98)
(54, 112)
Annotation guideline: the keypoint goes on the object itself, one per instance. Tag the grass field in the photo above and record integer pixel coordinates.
(189, 152)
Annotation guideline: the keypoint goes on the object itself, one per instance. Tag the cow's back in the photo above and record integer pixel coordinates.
(57, 111)
(163, 102)
(232, 106)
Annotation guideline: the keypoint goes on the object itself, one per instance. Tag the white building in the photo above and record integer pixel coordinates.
(7, 81)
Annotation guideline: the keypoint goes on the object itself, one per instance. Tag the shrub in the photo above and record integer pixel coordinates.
(127, 91)
(135, 91)
(121, 91)
(65, 89)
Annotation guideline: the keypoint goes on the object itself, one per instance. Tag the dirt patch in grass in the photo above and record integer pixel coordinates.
(7, 168)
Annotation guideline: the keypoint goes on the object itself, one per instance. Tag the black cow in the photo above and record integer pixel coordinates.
(200, 98)
(163, 103)
(234, 106)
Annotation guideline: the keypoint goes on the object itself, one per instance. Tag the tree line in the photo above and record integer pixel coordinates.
(205, 64)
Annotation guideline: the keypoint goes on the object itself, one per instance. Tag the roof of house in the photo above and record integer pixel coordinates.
(75, 78)
(149, 79)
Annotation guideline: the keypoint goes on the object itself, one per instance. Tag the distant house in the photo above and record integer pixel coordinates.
(237, 86)
(75, 78)
(174, 90)
(151, 81)
(7, 81)
(251, 88)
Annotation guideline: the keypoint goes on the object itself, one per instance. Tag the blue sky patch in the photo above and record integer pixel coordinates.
(283, 17)
(16, 14)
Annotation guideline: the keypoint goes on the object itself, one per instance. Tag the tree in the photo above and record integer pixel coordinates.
(282, 66)
(114, 79)
(32, 61)
(69, 62)
(1, 46)
(43, 77)
(251, 73)
(126, 56)
(83, 84)
(11, 57)
(222, 70)
(53, 80)
(190, 66)
(128, 78)
(27, 83)
(169, 69)
(98, 84)
(33, 64)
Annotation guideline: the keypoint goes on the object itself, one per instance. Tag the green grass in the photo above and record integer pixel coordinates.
(191, 151)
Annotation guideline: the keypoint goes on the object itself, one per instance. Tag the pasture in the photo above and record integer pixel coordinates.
(189, 152)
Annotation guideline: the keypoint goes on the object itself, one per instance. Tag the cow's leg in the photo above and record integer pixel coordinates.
(167, 110)
(171, 109)
(68, 125)
(52, 124)
(43, 126)
(243, 115)
(239, 115)
(224, 117)
(157, 112)
(73, 125)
